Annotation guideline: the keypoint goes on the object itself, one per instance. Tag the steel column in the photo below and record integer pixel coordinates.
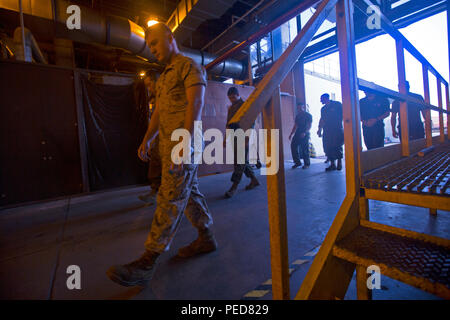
(299, 81)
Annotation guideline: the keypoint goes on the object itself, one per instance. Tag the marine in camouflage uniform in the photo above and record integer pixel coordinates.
(179, 191)
(239, 168)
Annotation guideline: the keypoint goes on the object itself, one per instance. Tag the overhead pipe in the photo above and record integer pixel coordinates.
(26, 45)
(118, 32)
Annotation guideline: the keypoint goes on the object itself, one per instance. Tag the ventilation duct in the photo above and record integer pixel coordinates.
(31, 47)
(115, 31)
(189, 14)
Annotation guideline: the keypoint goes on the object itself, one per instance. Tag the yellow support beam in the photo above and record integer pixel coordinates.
(329, 277)
(411, 199)
(276, 195)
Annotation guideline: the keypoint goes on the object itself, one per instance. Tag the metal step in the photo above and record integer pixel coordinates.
(416, 259)
(423, 175)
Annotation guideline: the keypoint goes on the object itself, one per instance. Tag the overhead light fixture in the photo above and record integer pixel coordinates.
(151, 22)
(142, 74)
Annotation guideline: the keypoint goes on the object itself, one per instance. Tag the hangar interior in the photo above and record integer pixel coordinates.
(74, 110)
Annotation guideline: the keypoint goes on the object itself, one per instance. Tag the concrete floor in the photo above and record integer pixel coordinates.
(38, 242)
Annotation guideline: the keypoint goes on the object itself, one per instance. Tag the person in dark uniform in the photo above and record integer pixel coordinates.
(239, 169)
(300, 132)
(415, 124)
(374, 109)
(333, 131)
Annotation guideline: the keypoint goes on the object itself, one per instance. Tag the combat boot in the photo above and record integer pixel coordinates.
(136, 273)
(339, 165)
(253, 184)
(296, 165)
(150, 198)
(332, 167)
(203, 244)
(232, 191)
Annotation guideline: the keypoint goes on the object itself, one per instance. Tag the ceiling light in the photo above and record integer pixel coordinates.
(151, 22)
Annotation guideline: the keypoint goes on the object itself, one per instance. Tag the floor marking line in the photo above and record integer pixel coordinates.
(266, 287)
(256, 293)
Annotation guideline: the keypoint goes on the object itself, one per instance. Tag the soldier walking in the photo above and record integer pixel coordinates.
(179, 100)
(333, 132)
(300, 137)
(243, 168)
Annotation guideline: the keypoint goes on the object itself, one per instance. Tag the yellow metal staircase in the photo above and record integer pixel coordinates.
(417, 259)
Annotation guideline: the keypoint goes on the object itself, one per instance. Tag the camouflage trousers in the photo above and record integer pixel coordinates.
(240, 169)
(243, 168)
(178, 193)
(154, 167)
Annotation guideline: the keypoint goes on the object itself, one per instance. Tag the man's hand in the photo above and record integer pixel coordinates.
(143, 151)
(370, 123)
(394, 133)
(303, 135)
(175, 168)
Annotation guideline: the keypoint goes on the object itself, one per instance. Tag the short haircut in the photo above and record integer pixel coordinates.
(325, 95)
(157, 27)
(232, 90)
(300, 103)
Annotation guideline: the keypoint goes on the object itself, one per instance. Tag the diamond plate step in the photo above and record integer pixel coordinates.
(419, 260)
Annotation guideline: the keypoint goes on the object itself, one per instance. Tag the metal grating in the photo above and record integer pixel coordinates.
(429, 174)
(414, 257)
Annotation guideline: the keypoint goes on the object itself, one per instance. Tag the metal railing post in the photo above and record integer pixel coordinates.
(403, 104)
(426, 90)
(441, 114)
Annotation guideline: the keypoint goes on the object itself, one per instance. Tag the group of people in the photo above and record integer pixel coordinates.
(154, 168)
(177, 101)
(373, 110)
(330, 129)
